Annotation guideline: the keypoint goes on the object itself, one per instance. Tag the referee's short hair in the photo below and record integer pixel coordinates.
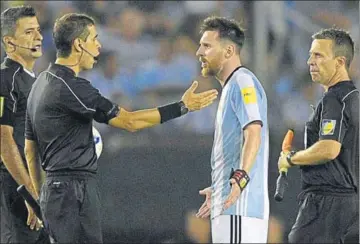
(228, 29)
(10, 16)
(343, 45)
(67, 29)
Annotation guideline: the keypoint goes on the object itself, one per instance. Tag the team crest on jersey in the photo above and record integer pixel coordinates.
(2, 106)
(328, 127)
(248, 95)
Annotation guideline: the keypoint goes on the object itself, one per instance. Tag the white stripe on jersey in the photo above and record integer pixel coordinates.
(266, 169)
(216, 195)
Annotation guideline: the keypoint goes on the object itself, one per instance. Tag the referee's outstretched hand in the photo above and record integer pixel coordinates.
(205, 209)
(196, 101)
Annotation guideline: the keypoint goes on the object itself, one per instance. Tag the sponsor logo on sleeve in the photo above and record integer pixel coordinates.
(328, 127)
(248, 95)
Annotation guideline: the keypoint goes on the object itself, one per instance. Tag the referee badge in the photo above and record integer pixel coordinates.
(328, 127)
(1, 106)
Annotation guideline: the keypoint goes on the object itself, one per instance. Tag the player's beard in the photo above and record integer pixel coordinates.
(209, 70)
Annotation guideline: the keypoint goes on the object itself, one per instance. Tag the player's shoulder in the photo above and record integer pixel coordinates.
(243, 78)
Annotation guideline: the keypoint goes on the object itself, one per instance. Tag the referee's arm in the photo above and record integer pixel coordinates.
(332, 131)
(37, 175)
(133, 121)
(10, 154)
(82, 98)
(35, 171)
(141, 119)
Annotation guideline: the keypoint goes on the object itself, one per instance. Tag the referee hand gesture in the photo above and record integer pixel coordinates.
(196, 101)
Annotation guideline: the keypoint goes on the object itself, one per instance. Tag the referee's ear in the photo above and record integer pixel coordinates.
(341, 61)
(77, 45)
(5, 41)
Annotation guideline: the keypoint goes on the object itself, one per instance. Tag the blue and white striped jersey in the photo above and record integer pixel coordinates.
(243, 100)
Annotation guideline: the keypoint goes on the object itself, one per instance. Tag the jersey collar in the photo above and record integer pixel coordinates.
(227, 80)
(341, 83)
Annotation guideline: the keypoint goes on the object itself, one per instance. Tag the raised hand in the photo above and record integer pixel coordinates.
(196, 101)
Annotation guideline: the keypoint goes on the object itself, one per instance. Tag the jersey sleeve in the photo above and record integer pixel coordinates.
(29, 132)
(85, 100)
(336, 117)
(8, 98)
(245, 101)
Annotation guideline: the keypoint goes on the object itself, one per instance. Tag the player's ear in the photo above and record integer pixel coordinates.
(229, 51)
(77, 45)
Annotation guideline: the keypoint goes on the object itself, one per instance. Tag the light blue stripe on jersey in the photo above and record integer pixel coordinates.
(233, 114)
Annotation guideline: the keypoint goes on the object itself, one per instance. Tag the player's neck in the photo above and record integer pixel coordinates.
(226, 71)
(340, 76)
(28, 64)
(69, 62)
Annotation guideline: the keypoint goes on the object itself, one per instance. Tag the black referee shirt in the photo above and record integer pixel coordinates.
(15, 87)
(61, 108)
(336, 117)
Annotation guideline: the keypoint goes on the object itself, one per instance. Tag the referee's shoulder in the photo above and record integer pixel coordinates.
(82, 79)
(8, 73)
(78, 84)
(342, 94)
(8, 69)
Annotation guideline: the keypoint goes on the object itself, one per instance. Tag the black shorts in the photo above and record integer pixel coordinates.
(70, 206)
(326, 219)
(14, 215)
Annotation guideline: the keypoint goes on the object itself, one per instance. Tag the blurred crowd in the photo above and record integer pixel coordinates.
(148, 50)
(148, 58)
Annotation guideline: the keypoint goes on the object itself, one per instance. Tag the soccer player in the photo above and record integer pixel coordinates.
(238, 197)
(329, 211)
(61, 109)
(21, 39)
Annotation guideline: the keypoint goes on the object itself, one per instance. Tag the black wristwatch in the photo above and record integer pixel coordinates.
(288, 158)
(183, 108)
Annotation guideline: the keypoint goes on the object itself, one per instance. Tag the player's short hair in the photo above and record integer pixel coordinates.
(10, 16)
(67, 29)
(343, 45)
(228, 29)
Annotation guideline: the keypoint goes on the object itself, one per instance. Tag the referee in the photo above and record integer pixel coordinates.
(21, 39)
(61, 109)
(329, 211)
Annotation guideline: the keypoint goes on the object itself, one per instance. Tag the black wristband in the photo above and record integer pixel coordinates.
(172, 111)
(241, 177)
(288, 158)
